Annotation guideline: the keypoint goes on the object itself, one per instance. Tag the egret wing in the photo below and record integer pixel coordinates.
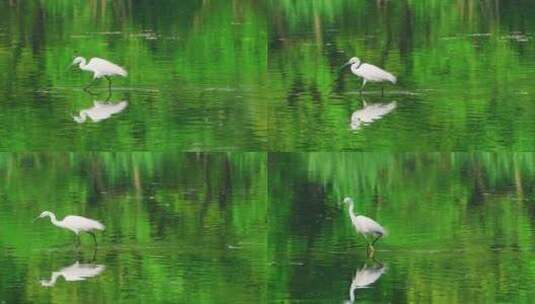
(367, 276)
(81, 223)
(373, 73)
(367, 225)
(106, 68)
(373, 112)
(102, 111)
(78, 272)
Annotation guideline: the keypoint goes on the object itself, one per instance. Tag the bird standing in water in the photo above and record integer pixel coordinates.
(75, 224)
(365, 225)
(370, 73)
(100, 68)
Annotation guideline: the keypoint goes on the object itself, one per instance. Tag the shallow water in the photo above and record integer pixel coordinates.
(460, 227)
(264, 75)
(196, 75)
(464, 69)
(180, 228)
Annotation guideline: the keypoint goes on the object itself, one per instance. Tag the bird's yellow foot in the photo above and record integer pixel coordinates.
(371, 251)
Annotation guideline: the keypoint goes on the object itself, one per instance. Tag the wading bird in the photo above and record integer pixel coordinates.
(100, 111)
(74, 272)
(365, 225)
(369, 73)
(100, 68)
(75, 224)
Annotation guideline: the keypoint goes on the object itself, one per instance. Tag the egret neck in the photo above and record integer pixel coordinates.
(52, 281)
(82, 63)
(82, 117)
(53, 219)
(351, 211)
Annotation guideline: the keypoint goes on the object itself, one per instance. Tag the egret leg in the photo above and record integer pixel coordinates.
(94, 255)
(78, 242)
(378, 237)
(109, 83)
(367, 242)
(382, 91)
(94, 237)
(109, 96)
(363, 84)
(371, 251)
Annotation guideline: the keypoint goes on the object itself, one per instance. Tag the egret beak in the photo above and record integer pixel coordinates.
(35, 219)
(69, 67)
(345, 64)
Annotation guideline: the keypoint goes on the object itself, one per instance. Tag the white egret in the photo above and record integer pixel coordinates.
(75, 224)
(74, 272)
(370, 73)
(365, 225)
(100, 111)
(100, 68)
(364, 277)
(370, 112)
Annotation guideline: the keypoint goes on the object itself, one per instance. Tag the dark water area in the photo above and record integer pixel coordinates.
(180, 228)
(459, 228)
(464, 70)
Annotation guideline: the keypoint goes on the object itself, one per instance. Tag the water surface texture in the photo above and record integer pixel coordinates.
(264, 75)
(460, 228)
(196, 75)
(180, 228)
(465, 75)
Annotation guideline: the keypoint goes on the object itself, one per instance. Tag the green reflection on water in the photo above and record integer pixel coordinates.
(460, 226)
(263, 75)
(179, 227)
(464, 71)
(196, 75)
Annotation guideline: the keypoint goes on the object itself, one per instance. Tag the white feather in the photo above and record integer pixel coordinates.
(370, 113)
(100, 67)
(74, 272)
(372, 73)
(365, 277)
(79, 224)
(100, 111)
(367, 226)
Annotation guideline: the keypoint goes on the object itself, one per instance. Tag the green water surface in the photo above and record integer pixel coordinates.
(264, 75)
(180, 228)
(460, 227)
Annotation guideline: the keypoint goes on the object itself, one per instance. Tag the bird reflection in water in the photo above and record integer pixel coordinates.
(74, 272)
(364, 277)
(370, 113)
(100, 111)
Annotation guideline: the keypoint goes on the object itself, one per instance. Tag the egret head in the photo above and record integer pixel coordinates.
(81, 118)
(356, 122)
(77, 60)
(352, 61)
(348, 201)
(44, 214)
